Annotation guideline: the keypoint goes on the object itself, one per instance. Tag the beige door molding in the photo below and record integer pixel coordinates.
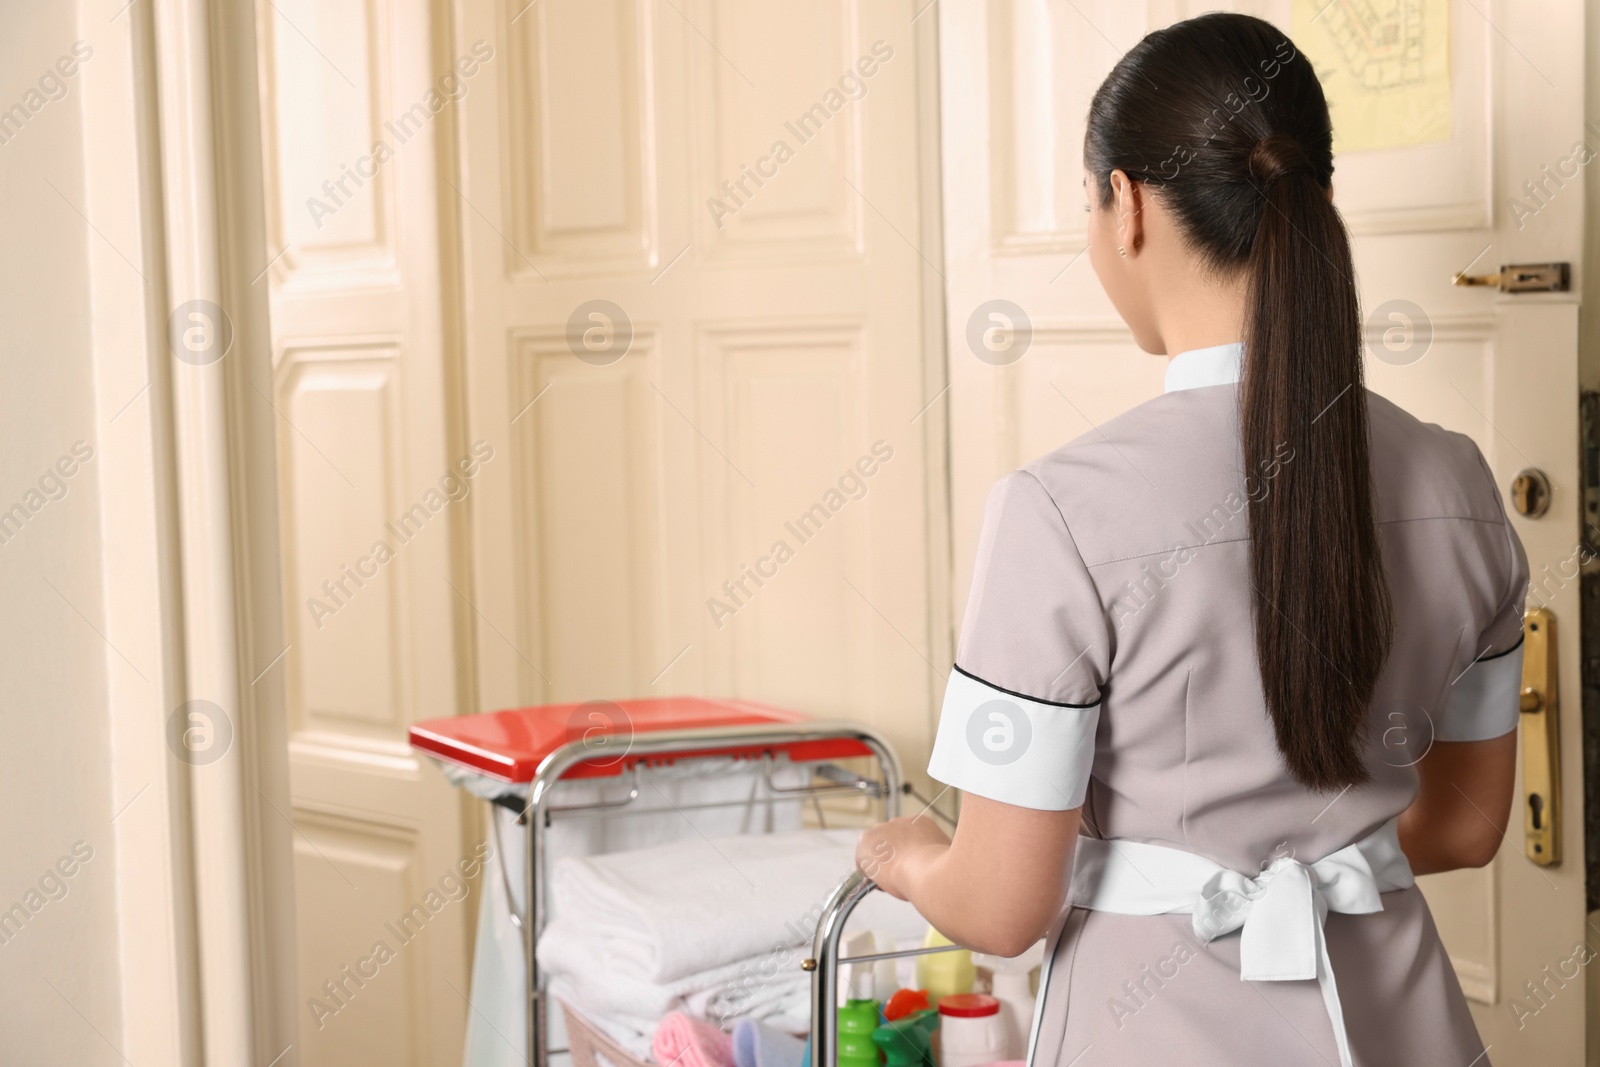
(204, 492)
(205, 947)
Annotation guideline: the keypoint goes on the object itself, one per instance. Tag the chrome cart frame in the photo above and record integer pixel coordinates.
(666, 746)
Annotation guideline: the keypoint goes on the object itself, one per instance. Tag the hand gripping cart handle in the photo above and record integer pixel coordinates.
(825, 960)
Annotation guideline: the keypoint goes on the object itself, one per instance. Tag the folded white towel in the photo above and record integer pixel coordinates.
(771, 988)
(662, 914)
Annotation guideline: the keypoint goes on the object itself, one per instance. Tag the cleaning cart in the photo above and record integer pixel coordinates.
(517, 758)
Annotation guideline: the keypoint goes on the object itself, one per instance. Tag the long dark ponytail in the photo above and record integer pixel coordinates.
(1224, 120)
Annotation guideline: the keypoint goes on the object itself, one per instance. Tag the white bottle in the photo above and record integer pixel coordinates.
(877, 974)
(1014, 991)
(1011, 981)
(971, 1032)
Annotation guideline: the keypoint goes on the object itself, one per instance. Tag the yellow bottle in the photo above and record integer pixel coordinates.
(944, 973)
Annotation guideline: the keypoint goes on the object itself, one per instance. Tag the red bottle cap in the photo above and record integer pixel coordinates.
(968, 1005)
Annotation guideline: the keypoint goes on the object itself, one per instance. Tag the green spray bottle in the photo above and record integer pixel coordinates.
(908, 1041)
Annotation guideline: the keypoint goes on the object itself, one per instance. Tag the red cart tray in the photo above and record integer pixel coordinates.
(510, 745)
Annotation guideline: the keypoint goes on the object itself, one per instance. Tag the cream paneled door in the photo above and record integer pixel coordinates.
(693, 326)
(1017, 78)
(355, 96)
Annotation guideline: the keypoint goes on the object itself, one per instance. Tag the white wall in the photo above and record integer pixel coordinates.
(59, 974)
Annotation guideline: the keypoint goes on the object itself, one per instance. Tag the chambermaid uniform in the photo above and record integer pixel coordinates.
(1223, 915)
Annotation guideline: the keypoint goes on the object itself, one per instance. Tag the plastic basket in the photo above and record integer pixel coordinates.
(589, 1047)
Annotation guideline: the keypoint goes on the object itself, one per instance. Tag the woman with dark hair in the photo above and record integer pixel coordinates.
(1238, 664)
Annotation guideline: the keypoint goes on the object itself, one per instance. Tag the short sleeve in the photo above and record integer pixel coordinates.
(1483, 699)
(1023, 700)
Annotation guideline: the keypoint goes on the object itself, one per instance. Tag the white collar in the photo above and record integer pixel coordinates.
(1217, 365)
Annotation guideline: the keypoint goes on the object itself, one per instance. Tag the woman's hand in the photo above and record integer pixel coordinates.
(995, 888)
(894, 853)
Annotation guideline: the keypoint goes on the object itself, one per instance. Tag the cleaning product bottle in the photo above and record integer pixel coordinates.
(867, 943)
(908, 1041)
(971, 1032)
(944, 973)
(1014, 991)
(1011, 982)
(857, 1020)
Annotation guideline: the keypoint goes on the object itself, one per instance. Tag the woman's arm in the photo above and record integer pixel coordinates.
(1463, 804)
(995, 888)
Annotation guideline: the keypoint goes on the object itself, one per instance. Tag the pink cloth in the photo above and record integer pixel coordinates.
(683, 1041)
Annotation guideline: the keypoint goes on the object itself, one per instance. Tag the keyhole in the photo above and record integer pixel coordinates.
(1530, 492)
(1536, 802)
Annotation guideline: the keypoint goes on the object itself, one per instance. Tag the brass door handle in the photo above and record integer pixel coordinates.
(1541, 740)
(1522, 278)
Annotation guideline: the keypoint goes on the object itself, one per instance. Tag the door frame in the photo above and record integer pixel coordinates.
(937, 499)
(204, 862)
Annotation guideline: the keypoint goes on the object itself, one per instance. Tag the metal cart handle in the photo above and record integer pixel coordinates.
(825, 959)
(824, 966)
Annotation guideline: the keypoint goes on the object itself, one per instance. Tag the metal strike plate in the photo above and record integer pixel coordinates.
(1522, 278)
(1541, 740)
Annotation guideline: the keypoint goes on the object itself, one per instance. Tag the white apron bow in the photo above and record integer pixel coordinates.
(1279, 912)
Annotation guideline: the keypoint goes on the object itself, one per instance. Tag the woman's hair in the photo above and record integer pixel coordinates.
(1223, 120)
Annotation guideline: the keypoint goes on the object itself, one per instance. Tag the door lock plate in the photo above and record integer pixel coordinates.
(1522, 278)
(1541, 740)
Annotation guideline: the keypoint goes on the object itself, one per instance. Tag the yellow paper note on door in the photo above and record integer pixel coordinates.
(1384, 65)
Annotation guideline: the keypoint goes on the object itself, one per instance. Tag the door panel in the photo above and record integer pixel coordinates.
(1017, 77)
(628, 152)
(367, 515)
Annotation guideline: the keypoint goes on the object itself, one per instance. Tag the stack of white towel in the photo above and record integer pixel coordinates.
(713, 927)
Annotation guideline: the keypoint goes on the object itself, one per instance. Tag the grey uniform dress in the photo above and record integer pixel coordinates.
(1107, 660)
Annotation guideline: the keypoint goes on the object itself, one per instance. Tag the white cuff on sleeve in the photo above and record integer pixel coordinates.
(1483, 702)
(1011, 748)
